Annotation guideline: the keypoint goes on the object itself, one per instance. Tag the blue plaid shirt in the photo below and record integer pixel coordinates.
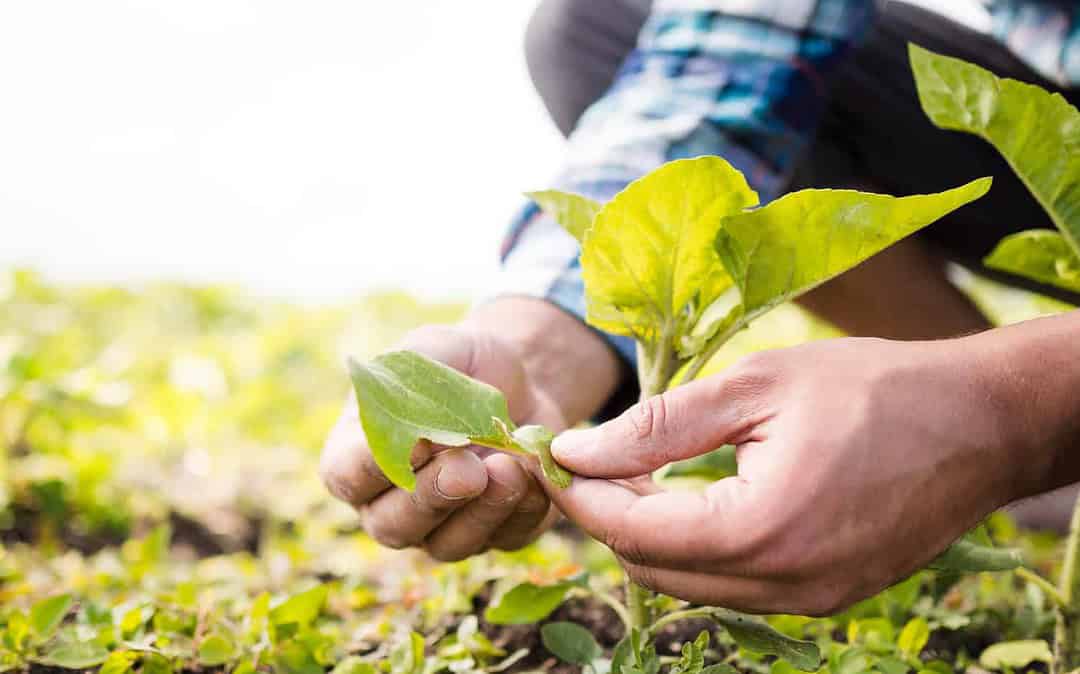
(742, 79)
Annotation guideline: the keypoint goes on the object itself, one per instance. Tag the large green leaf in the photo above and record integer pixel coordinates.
(78, 655)
(47, 614)
(301, 608)
(404, 397)
(574, 212)
(756, 635)
(1037, 132)
(1040, 254)
(802, 240)
(647, 260)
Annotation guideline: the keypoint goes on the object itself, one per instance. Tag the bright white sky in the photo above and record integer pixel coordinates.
(305, 149)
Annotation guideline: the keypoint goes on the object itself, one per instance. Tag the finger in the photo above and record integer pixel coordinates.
(468, 531)
(679, 424)
(750, 595)
(532, 517)
(348, 468)
(399, 519)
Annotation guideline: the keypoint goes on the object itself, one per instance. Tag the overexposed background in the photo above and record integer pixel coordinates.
(306, 149)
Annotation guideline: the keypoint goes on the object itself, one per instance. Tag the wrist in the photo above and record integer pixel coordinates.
(1030, 373)
(564, 360)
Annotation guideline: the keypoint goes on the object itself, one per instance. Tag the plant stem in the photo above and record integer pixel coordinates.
(1067, 631)
(675, 616)
(656, 365)
(616, 605)
(1048, 588)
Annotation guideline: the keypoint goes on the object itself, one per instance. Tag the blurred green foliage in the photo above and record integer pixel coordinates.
(160, 509)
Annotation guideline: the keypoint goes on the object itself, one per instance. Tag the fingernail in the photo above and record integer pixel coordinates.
(442, 490)
(570, 443)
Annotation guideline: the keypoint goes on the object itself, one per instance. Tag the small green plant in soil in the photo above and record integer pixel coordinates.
(681, 260)
(1038, 133)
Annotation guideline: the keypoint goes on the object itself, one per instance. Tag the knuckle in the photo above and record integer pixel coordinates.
(648, 418)
(334, 478)
(644, 576)
(387, 537)
(445, 554)
(625, 547)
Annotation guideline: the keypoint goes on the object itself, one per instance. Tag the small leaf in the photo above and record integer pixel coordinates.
(693, 656)
(404, 397)
(714, 465)
(153, 663)
(216, 649)
(756, 635)
(964, 556)
(573, 212)
(1039, 254)
(353, 665)
(571, 642)
(889, 665)
(1036, 131)
(913, 637)
(537, 440)
(79, 655)
(526, 603)
(1016, 654)
(301, 609)
(46, 615)
(408, 656)
(118, 662)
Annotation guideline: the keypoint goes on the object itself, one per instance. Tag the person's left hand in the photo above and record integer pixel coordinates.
(860, 460)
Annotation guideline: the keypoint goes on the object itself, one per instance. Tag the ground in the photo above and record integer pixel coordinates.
(160, 509)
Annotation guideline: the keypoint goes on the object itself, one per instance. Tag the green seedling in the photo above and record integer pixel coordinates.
(1038, 133)
(681, 260)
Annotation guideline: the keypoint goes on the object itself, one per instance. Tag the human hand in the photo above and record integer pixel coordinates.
(466, 499)
(860, 460)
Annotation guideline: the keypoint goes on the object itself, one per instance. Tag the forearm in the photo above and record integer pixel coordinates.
(563, 358)
(902, 293)
(1032, 373)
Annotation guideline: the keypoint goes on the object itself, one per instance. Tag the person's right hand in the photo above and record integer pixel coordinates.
(467, 499)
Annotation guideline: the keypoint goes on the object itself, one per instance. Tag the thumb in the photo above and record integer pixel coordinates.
(679, 424)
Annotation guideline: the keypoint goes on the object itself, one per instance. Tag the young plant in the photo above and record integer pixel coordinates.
(1038, 133)
(680, 260)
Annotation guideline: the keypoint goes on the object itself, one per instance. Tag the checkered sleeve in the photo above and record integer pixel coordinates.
(742, 79)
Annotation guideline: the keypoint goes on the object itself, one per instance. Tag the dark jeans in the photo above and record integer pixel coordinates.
(873, 136)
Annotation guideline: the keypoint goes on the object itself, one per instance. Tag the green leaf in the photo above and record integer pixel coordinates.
(46, 615)
(714, 465)
(153, 663)
(1040, 254)
(756, 635)
(118, 662)
(693, 656)
(75, 655)
(913, 637)
(408, 656)
(964, 556)
(526, 603)
(796, 243)
(1015, 654)
(537, 440)
(1037, 132)
(300, 609)
(216, 649)
(890, 665)
(647, 261)
(573, 212)
(570, 642)
(404, 397)
(354, 665)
